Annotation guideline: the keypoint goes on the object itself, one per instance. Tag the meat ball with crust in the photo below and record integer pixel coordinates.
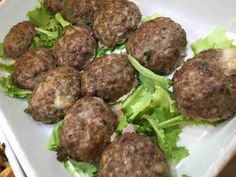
(132, 155)
(86, 130)
(115, 22)
(75, 48)
(109, 77)
(52, 98)
(205, 86)
(19, 39)
(31, 67)
(159, 45)
(53, 5)
(80, 11)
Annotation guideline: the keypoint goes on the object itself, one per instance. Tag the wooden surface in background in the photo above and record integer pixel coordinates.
(230, 169)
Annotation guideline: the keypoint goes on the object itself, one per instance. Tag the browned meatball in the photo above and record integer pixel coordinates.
(115, 21)
(87, 129)
(109, 77)
(75, 48)
(31, 67)
(159, 45)
(55, 95)
(205, 88)
(53, 5)
(19, 39)
(132, 155)
(80, 11)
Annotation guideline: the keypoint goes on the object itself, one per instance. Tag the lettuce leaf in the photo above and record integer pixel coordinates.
(48, 34)
(6, 69)
(40, 15)
(148, 77)
(80, 169)
(217, 39)
(61, 20)
(54, 141)
(12, 90)
(152, 17)
(152, 111)
(75, 168)
(102, 51)
(50, 27)
(1, 50)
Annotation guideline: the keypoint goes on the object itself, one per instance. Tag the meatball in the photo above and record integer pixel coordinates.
(115, 21)
(31, 67)
(75, 48)
(87, 129)
(80, 11)
(159, 45)
(205, 87)
(132, 155)
(53, 5)
(19, 39)
(109, 77)
(52, 98)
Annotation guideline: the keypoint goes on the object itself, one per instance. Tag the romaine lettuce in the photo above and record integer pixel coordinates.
(40, 16)
(12, 90)
(54, 141)
(148, 77)
(80, 169)
(75, 168)
(6, 69)
(152, 111)
(49, 27)
(103, 51)
(152, 17)
(1, 50)
(217, 39)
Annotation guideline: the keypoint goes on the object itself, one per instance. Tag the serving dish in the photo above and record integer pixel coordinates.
(210, 147)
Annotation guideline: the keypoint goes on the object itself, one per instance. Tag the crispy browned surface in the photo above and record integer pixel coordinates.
(230, 169)
(132, 155)
(19, 39)
(87, 129)
(55, 95)
(75, 48)
(109, 77)
(159, 45)
(115, 21)
(80, 11)
(30, 68)
(53, 5)
(5, 169)
(201, 88)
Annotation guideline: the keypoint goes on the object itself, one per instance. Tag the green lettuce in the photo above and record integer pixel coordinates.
(49, 27)
(61, 20)
(102, 51)
(1, 50)
(75, 168)
(148, 77)
(152, 17)
(40, 16)
(12, 90)
(152, 111)
(217, 39)
(80, 169)
(54, 141)
(6, 69)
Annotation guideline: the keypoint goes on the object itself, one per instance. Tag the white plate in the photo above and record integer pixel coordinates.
(210, 147)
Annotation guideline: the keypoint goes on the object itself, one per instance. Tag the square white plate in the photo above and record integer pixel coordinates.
(210, 147)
